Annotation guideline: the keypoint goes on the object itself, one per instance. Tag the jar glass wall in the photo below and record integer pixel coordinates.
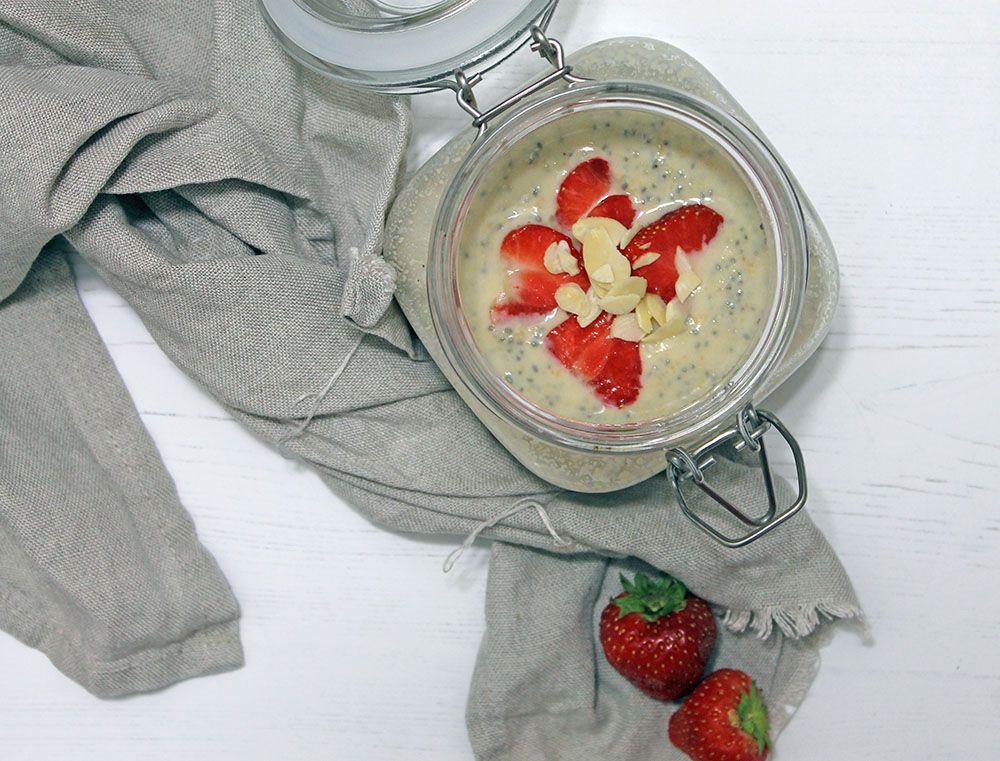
(779, 212)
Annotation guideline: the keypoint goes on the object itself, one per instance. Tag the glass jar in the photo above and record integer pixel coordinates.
(786, 232)
(424, 246)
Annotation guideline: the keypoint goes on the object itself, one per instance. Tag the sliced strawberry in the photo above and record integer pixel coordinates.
(615, 207)
(621, 379)
(528, 292)
(611, 366)
(590, 363)
(568, 340)
(527, 245)
(530, 288)
(688, 228)
(583, 187)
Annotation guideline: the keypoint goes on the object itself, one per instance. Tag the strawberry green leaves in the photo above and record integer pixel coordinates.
(753, 719)
(651, 598)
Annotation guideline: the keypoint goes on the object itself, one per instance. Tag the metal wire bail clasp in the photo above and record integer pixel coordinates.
(752, 424)
(547, 47)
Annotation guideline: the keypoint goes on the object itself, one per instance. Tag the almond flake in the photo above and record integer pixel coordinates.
(594, 310)
(645, 259)
(559, 259)
(600, 289)
(676, 314)
(642, 314)
(598, 251)
(630, 285)
(615, 229)
(622, 268)
(624, 296)
(681, 261)
(687, 284)
(674, 324)
(603, 274)
(637, 227)
(571, 298)
(627, 328)
(656, 306)
(619, 304)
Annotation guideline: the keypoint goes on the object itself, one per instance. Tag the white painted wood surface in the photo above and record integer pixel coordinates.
(359, 648)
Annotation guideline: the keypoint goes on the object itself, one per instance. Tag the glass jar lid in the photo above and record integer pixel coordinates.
(403, 46)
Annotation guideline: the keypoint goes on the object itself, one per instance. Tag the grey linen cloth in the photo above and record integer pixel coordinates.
(236, 202)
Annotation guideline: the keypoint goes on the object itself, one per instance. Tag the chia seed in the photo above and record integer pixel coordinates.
(735, 267)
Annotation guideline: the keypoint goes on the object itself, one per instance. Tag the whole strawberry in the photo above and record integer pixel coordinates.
(658, 636)
(725, 719)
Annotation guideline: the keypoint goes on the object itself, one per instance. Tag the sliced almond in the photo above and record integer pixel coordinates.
(551, 257)
(642, 314)
(600, 289)
(631, 286)
(675, 323)
(681, 261)
(661, 334)
(676, 315)
(637, 227)
(619, 304)
(687, 284)
(627, 328)
(646, 259)
(622, 268)
(559, 259)
(657, 307)
(624, 295)
(603, 274)
(593, 312)
(598, 251)
(572, 298)
(615, 229)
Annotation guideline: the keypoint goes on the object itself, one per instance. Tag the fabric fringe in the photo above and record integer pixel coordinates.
(794, 621)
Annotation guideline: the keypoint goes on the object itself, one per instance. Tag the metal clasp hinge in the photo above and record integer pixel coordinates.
(548, 48)
(685, 467)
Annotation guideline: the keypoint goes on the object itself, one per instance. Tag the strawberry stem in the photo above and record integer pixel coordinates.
(651, 598)
(752, 714)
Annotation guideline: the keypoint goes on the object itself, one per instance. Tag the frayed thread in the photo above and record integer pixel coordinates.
(521, 504)
(318, 397)
(795, 621)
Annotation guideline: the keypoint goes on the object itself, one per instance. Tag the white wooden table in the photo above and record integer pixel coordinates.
(889, 117)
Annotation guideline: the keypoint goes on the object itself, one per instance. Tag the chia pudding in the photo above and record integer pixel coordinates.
(721, 287)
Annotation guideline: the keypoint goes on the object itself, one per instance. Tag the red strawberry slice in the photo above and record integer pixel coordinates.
(621, 379)
(615, 207)
(529, 292)
(611, 366)
(531, 289)
(688, 228)
(568, 340)
(583, 187)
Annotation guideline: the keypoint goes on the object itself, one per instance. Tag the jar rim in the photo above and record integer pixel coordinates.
(403, 53)
(391, 17)
(716, 409)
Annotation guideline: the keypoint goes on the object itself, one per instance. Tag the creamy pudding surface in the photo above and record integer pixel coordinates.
(528, 254)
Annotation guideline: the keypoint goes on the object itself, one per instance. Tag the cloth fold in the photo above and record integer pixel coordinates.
(99, 563)
(542, 691)
(236, 202)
